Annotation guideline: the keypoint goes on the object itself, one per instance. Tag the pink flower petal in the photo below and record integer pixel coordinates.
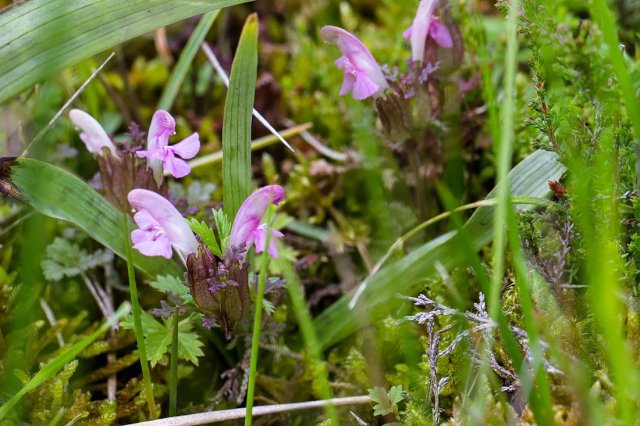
(420, 28)
(139, 236)
(273, 243)
(144, 220)
(407, 33)
(188, 148)
(159, 247)
(142, 153)
(356, 58)
(177, 167)
(251, 213)
(363, 87)
(440, 33)
(162, 126)
(171, 222)
(92, 133)
(261, 239)
(347, 84)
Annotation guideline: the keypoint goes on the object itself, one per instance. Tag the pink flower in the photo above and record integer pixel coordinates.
(161, 226)
(172, 157)
(92, 133)
(247, 227)
(426, 25)
(362, 74)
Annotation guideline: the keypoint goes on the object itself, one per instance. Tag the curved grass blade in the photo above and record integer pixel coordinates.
(529, 179)
(41, 37)
(186, 57)
(309, 335)
(236, 129)
(57, 193)
(65, 357)
(538, 392)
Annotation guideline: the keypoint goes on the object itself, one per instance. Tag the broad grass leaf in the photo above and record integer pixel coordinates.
(39, 38)
(236, 128)
(529, 178)
(57, 193)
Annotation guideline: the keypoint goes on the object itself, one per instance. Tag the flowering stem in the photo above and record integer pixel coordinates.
(173, 376)
(137, 324)
(257, 320)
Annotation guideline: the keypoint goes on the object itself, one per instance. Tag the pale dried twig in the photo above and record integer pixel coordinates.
(66, 105)
(225, 79)
(239, 413)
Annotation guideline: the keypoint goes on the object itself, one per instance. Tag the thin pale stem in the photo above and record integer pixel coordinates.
(52, 320)
(61, 111)
(225, 79)
(238, 413)
(96, 296)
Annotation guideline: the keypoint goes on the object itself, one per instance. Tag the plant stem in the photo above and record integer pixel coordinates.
(540, 402)
(257, 320)
(173, 377)
(137, 324)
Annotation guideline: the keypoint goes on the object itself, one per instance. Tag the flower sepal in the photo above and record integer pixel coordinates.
(219, 287)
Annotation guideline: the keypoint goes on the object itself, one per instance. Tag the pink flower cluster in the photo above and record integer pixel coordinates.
(162, 127)
(162, 227)
(363, 76)
(172, 157)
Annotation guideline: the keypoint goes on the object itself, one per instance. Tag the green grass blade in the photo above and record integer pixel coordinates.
(41, 37)
(58, 363)
(57, 193)
(186, 57)
(529, 178)
(309, 335)
(136, 311)
(504, 215)
(602, 15)
(236, 129)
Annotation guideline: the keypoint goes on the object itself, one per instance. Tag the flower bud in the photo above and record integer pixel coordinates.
(393, 115)
(219, 288)
(121, 174)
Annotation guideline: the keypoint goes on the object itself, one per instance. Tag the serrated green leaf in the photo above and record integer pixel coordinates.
(189, 343)
(207, 235)
(384, 405)
(67, 259)
(172, 284)
(157, 344)
(395, 394)
(269, 307)
(157, 337)
(223, 225)
(41, 37)
(529, 178)
(236, 128)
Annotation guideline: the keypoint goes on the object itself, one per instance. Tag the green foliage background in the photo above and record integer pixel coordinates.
(570, 267)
